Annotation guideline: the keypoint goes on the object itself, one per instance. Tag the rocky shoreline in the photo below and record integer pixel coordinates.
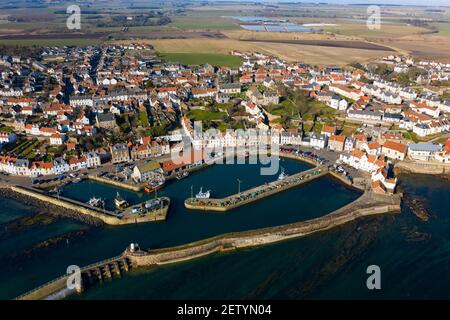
(50, 208)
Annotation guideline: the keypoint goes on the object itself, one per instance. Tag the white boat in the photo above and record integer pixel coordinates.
(203, 195)
(282, 175)
(96, 202)
(120, 202)
(182, 175)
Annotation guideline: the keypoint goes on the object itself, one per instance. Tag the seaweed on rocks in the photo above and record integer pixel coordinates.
(49, 208)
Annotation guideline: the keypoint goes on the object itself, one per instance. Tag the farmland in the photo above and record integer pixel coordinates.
(202, 58)
(188, 28)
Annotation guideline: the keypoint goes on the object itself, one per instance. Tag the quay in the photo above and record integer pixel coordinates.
(255, 194)
(369, 204)
(123, 185)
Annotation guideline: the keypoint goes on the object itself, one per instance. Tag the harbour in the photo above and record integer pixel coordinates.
(368, 204)
(181, 226)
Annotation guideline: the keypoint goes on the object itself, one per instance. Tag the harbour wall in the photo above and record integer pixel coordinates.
(135, 188)
(81, 208)
(428, 167)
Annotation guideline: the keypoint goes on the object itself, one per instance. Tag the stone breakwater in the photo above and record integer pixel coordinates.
(80, 210)
(428, 167)
(368, 204)
(8, 192)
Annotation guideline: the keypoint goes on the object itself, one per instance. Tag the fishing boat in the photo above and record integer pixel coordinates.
(182, 175)
(154, 184)
(203, 195)
(282, 175)
(96, 202)
(120, 202)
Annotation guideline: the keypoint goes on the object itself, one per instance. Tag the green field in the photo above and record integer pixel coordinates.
(50, 42)
(444, 29)
(307, 109)
(203, 115)
(202, 58)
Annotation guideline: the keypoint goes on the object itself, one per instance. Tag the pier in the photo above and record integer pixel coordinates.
(257, 193)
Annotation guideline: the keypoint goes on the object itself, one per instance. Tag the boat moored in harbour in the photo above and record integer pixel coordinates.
(203, 195)
(96, 202)
(283, 175)
(155, 184)
(120, 202)
(182, 175)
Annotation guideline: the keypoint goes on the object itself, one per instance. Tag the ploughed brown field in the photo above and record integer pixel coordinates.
(313, 54)
(331, 43)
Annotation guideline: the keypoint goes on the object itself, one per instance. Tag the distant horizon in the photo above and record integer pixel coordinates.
(430, 3)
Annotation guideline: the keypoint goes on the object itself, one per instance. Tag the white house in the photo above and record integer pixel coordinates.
(92, 159)
(338, 104)
(318, 141)
(423, 151)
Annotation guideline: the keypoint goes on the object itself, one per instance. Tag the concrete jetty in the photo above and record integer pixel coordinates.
(257, 193)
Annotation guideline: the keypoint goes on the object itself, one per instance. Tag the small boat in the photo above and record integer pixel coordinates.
(96, 202)
(182, 175)
(282, 175)
(120, 202)
(154, 185)
(203, 195)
